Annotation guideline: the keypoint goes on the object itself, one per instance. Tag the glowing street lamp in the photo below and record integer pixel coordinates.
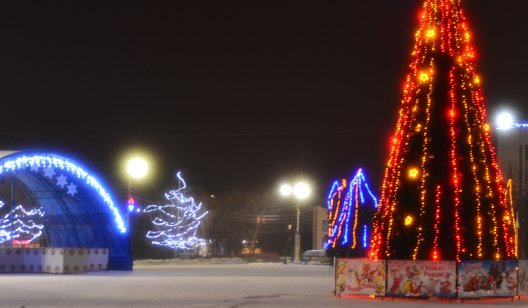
(137, 168)
(300, 191)
(505, 120)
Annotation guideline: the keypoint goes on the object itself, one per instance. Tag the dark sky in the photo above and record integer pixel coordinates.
(235, 94)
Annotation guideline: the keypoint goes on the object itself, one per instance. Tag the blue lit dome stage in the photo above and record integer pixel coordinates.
(47, 200)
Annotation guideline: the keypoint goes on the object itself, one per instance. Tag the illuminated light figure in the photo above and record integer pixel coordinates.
(48, 163)
(424, 77)
(408, 220)
(430, 34)
(178, 221)
(413, 173)
(19, 226)
(459, 202)
(351, 206)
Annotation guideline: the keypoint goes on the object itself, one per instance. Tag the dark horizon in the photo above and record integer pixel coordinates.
(237, 96)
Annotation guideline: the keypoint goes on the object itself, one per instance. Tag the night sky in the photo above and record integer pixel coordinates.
(237, 95)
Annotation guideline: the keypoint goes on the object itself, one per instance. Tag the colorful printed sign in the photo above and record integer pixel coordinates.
(421, 278)
(360, 277)
(487, 279)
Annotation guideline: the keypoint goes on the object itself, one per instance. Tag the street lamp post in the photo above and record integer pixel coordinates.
(297, 248)
(137, 168)
(300, 191)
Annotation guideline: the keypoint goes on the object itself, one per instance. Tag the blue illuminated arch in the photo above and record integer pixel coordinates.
(18, 161)
(80, 212)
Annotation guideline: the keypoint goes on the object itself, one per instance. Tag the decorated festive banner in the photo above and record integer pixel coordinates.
(421, 278)
(522, 278)
(360, 277)
(487, 278)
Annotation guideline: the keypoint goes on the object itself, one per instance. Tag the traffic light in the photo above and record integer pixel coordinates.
(131, 204)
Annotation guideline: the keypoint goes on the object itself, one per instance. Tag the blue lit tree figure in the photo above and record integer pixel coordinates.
(20, 226)
(176, 223)
(351, 208)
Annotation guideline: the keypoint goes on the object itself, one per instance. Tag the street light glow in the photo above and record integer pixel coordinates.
(301, 191)
(137, 168)
(285, 190)
(505, 120)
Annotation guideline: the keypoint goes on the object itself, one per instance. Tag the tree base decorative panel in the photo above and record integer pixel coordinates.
(431, 279)
(53, 260)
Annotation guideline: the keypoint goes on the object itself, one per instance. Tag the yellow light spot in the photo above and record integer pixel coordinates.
(467, 36)
(418, 128)
(486, 127)
(430, 34)
(413, 173)
(477, 80)
(424, 77)
(408, 220)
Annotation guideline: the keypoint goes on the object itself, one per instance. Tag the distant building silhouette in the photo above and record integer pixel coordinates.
(320, 227)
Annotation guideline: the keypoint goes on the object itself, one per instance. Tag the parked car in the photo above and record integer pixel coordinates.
(317, 256)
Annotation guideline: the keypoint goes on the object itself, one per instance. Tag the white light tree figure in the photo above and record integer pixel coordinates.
(177, 222)
(21, 226)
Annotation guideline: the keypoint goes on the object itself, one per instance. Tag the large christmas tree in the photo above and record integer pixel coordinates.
(443, 196)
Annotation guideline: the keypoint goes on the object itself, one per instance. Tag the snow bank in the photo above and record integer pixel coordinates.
(196, 261)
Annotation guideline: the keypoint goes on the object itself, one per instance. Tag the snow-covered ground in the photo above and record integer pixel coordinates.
(165, 284)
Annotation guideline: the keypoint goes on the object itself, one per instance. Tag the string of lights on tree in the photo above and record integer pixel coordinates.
(351, 206)
(443, 195)
(177, 222)
(509, 198)
(20, 226)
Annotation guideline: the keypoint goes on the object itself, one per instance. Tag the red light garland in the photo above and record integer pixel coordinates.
(443, 171)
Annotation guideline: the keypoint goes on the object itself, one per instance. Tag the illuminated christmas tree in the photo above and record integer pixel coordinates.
(443, 195)
(350, 211)
(20, 226)
(177, 222)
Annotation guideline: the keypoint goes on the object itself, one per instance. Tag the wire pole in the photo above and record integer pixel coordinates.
(297, 248)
